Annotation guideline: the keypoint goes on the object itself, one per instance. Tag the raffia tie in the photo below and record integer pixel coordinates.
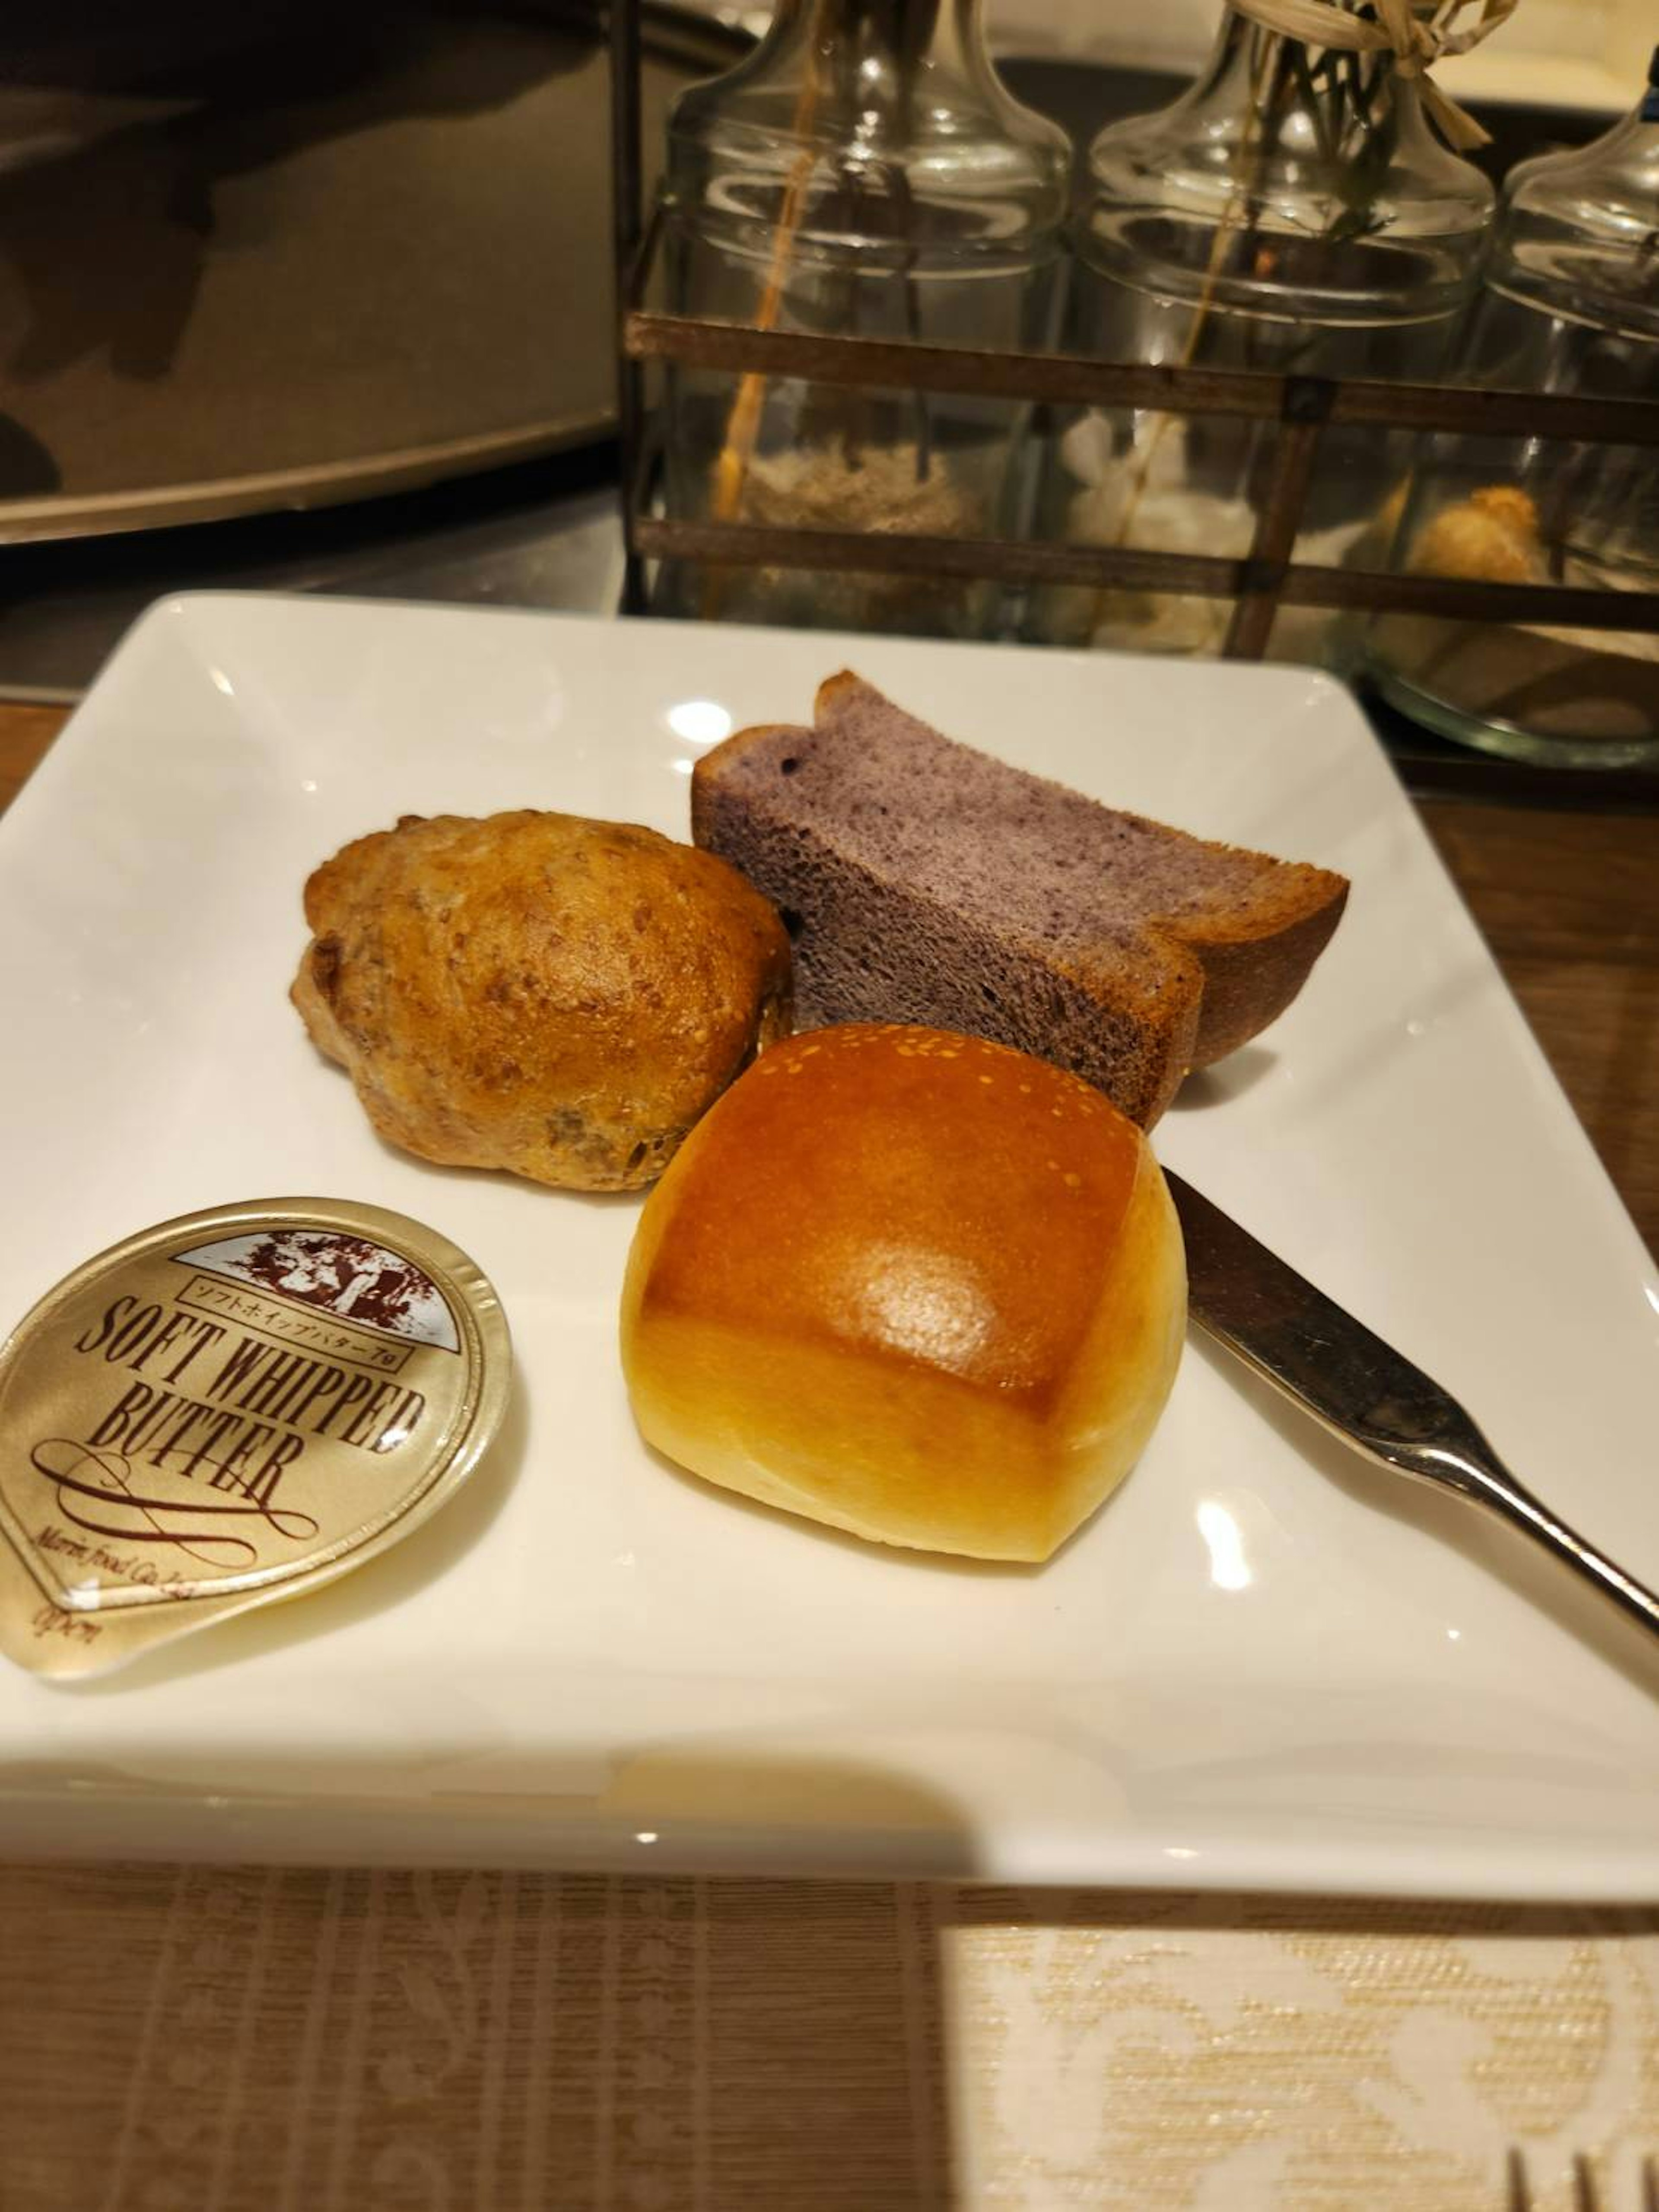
(1418, 37)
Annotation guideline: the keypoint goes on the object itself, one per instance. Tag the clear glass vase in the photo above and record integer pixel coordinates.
(1570, 304)
(863, 174)
(1294, 212)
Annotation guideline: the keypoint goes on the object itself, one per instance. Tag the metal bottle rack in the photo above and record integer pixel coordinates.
(1260, 583)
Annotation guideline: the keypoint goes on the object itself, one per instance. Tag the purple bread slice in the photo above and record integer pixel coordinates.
(922, 881)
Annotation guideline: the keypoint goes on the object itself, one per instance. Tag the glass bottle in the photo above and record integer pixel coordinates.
(863, 174)
(1294, 211)
(1570, 304)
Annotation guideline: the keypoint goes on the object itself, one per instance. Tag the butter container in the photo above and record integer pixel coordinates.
(229, 1409)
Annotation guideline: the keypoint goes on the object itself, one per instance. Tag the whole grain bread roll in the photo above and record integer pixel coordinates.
(911, 1284)
(537, 992)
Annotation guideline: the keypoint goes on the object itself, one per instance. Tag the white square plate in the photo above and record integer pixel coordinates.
(1263, 1664)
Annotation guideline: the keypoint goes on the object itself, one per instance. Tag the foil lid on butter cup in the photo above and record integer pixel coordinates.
(229, 1409)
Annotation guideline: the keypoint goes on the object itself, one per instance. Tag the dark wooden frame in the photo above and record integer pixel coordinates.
(1265, 579)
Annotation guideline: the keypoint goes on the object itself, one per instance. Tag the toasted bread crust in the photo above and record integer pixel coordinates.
(1249, 980)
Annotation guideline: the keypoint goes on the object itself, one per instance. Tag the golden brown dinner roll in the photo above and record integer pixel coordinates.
(537, 992)
(912, 1283)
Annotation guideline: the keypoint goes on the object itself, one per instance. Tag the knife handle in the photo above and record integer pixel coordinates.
(1483, 1477)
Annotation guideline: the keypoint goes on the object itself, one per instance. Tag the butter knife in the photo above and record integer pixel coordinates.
(1362, 1389)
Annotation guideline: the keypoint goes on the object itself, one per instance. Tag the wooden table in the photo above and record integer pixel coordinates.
(1568, 899)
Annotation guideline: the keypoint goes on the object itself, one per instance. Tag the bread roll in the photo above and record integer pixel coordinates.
(537, 992)
(912, 1284)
